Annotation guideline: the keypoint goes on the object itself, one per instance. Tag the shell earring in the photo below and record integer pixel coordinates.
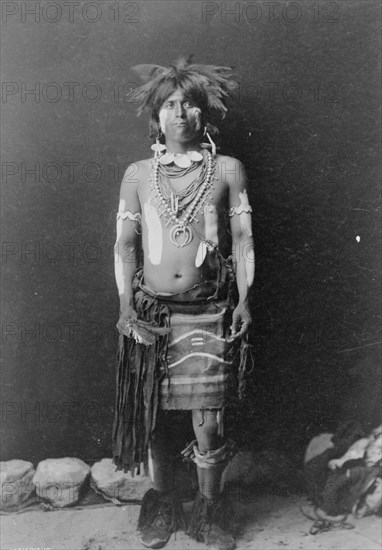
(158, 147)
(212, 143)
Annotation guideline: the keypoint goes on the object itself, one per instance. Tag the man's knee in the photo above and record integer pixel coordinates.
(206, 427)
(206, 419)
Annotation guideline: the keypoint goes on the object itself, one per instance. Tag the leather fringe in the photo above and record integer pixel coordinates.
(246, 365)
(137, 389)
(137, 379)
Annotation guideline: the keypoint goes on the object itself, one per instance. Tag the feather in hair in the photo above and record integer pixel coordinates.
(147, 72)
(215, 82)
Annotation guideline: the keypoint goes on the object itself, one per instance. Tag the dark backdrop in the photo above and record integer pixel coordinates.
(305, 122)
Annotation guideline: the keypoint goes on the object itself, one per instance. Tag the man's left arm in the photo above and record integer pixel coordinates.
(242, 243)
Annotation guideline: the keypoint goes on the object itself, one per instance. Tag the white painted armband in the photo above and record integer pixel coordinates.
(243, 207)
(129, 216)
(243, 210)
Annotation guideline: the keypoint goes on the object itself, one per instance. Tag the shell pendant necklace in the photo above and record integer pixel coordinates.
(183, 160)
(181, 233)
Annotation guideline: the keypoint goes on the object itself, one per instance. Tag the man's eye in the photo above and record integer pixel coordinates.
(188, 104)
(169, 105)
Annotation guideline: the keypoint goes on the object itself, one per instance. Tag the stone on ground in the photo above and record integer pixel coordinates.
(116, 485)
(16, 477)
(59, 481)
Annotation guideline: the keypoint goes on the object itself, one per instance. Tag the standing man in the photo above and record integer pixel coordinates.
(184, 308)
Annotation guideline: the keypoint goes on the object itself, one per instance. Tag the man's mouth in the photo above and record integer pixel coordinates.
(180, 124)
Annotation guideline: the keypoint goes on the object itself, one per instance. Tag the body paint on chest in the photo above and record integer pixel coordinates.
(210, 233)
(154, 233)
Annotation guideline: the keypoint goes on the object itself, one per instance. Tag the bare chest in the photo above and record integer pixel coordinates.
(181, 221)
(180, 195)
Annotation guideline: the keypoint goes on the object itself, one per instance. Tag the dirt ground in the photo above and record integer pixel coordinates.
(265, 522)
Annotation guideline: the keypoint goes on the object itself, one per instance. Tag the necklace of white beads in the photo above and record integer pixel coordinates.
(181, 233)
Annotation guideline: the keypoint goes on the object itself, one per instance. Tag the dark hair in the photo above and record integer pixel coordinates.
(207, 86)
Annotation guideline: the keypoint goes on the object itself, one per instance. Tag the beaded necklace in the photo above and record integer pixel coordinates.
(181, 233)
(180, 198)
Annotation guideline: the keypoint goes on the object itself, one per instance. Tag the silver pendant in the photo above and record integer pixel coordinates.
(180, 235)
(174, 204)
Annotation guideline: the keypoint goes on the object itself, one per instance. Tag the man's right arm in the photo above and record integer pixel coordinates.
(125, 248)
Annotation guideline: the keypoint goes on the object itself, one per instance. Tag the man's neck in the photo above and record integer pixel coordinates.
(181, 148)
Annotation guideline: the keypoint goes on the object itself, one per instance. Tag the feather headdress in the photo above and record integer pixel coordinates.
(210, 85)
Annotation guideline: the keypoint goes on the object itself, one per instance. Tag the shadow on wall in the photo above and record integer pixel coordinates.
(311, 156)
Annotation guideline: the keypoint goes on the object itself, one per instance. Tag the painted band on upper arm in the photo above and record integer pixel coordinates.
(129, 216)
(243, 210)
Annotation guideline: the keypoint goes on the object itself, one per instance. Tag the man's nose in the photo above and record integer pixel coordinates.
(179, 109)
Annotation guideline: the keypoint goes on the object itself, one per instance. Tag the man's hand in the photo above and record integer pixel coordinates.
(143, 332)
(128, 316)
(241, 319)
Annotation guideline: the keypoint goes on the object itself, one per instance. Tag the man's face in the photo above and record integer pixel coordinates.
(180, 119)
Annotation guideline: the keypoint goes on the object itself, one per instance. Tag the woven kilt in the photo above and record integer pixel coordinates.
(199, 359)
